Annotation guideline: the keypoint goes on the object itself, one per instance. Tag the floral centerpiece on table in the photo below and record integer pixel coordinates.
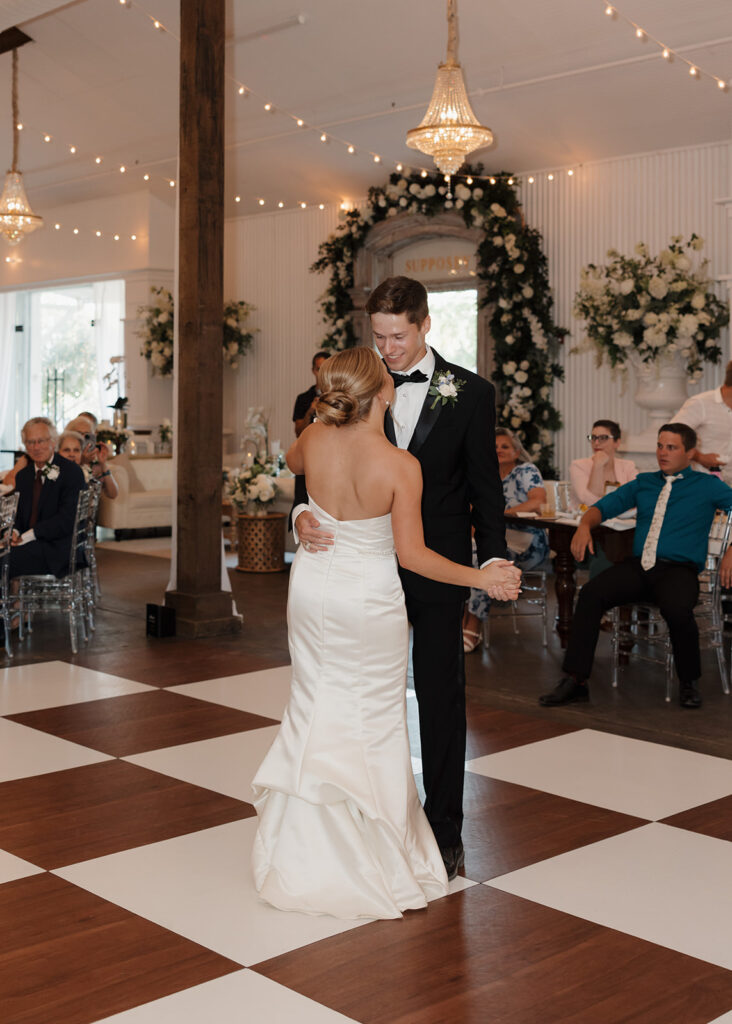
(117, 438)
(253, 490)
(157, 332)
(165, 432)
(645, 306)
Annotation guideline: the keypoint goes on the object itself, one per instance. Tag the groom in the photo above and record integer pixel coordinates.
(454, 441)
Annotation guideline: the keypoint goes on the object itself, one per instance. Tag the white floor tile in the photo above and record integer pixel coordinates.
(225, 764)
(261, 693)
(52, 684)
(25, 752)
(200, 886)
(233, 999)
(645, 779)
(659, 883)
(12, 867)
(724, 1019)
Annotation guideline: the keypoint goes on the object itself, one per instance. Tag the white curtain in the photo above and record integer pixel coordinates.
(109, 311)
(9, 389)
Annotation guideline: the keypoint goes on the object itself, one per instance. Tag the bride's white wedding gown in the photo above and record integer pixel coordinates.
(341, 828)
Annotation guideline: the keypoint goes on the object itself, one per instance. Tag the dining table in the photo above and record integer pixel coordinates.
(616, 543)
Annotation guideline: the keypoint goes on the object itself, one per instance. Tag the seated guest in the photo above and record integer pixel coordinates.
(48, 489)
(70, 445)
(710, 415)
(94, 456)
(590, 476)
(523, 490)
(676, 508)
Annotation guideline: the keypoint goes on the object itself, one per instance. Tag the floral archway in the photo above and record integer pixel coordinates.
(514, 289)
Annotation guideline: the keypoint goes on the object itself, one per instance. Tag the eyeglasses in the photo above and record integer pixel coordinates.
(39, 441)
(599, 438)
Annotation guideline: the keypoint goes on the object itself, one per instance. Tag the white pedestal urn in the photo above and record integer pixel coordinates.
(661, 389)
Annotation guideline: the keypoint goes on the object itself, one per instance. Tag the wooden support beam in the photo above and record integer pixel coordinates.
(202, 607)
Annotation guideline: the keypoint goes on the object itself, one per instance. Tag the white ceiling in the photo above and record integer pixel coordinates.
(557, 81)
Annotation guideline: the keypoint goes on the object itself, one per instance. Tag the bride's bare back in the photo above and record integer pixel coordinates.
(350, 469)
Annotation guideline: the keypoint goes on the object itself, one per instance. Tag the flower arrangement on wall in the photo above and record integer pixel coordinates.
(513, 270)
(157, 332)
(645, 306)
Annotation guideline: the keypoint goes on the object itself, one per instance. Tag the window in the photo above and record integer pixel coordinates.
(454, 331)
(56, 345)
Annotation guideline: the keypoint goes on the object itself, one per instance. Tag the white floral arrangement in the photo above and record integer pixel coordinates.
(514, 280)
(157, 332)
(641, 307)
(50, 472)
(253, 489)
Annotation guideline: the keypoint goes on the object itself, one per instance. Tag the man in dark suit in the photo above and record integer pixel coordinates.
(48, 489)
(302, 416)
(445, 416)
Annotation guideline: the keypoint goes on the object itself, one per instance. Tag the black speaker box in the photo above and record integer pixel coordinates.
(160, 620)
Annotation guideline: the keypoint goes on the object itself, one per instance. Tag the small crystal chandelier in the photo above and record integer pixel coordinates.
(16, 217)
(449, 130)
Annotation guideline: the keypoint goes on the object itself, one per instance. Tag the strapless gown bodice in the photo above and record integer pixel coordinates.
(341, 829)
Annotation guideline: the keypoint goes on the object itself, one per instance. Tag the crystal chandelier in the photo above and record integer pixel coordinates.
(16, 217)
(449, 130)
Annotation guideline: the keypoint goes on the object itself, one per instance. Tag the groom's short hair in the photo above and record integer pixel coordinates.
(399, 295)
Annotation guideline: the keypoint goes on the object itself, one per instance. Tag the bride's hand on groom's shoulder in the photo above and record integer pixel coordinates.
(502, 580)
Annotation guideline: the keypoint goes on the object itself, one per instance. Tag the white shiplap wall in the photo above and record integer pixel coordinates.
(266, 262)
(613, 203)
(616, 203)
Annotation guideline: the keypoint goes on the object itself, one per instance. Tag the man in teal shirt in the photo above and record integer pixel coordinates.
(675, 510)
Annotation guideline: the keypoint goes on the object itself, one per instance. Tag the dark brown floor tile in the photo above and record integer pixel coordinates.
(65, 817)
(483, 956)
(140, 721)
(508, 826)
(493, 729)
(712, 819)
(68, 957)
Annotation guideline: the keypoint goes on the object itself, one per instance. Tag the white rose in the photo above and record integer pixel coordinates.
(163, 318)
(524, 364)
(233, 348)
(448, 389)
(403, 201)
(698, 300)
(627, 285)
(682, 262)
(518, 268)
(527, 291)
(515, 421)
(477, 193)
(392, 211)
(622, 339)
(414, 188)
(657, 287)
(697, 244)
(498, 210)
(459, 203)
(521, 377)
(509, 339)
(650, 319)
(509, 368)
(462, 192)
(430, 190)
(232, 322)
(497, 240)
(504, 303)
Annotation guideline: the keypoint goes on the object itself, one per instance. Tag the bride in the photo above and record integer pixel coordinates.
(341, 829)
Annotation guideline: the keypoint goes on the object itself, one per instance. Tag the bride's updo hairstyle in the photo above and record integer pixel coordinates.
(348, 381)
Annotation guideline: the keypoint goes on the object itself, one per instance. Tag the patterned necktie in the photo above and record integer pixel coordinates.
(648, 558)
(37, 488)
(416, 377)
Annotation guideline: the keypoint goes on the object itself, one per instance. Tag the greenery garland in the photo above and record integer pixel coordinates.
(513, 268)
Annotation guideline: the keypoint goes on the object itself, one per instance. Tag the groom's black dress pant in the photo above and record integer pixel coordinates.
(439, 683)
(672, 586)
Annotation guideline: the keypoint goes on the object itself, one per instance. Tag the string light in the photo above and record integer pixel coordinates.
(72, 149)
(133, 238)
(300, 123)
(323, 137)
(98, 234)
(400, 168)
(531, 181)
(303, 206)
(97, 160)
(76, 231)
(570, 173)
(46, 138)
(261, 202)
(242, 90)
(116, 238)
(237, 199)
(280, 204)
(267, 106)
(550, 177)
(171, 183)
(377, 158)
(666, 52)
(57, 227)
(351, 149)
(122, 169)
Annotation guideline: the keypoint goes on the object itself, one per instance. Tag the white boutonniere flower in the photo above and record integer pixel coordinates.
(50, 471)
(445, 386)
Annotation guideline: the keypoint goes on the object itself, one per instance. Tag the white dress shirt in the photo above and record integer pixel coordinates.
(711, 418)
(409, 399)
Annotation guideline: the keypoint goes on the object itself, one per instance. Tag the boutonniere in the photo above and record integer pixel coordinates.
(445, 387)
(50, 471)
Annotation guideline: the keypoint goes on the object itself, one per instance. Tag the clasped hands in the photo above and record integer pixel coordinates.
(502, 580)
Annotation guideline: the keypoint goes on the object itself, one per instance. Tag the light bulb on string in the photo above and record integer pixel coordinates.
(323, 137)
(280, 204)
(666, 54)
(693, 71)
(46, 138)
(351, 149)
(237, 199)
(399, 168)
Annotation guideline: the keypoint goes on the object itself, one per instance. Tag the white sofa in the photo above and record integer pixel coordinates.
(145, 498)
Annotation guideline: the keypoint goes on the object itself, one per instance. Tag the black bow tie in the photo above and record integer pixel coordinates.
(415, 377)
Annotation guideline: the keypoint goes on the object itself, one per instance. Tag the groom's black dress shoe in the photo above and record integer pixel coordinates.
(567, 691)
(453, 858)
(689, 696)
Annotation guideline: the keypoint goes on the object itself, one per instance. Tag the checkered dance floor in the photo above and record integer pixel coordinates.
(597, 888)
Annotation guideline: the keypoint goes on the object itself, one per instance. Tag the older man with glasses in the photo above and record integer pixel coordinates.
(48, 489)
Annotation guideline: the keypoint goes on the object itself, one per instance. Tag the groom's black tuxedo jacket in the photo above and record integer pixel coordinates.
(456, 447)
(56, 510)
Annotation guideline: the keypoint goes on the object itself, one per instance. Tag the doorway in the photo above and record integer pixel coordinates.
(454, 331)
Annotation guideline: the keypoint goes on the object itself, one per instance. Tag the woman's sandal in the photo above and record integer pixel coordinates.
(471, 640)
